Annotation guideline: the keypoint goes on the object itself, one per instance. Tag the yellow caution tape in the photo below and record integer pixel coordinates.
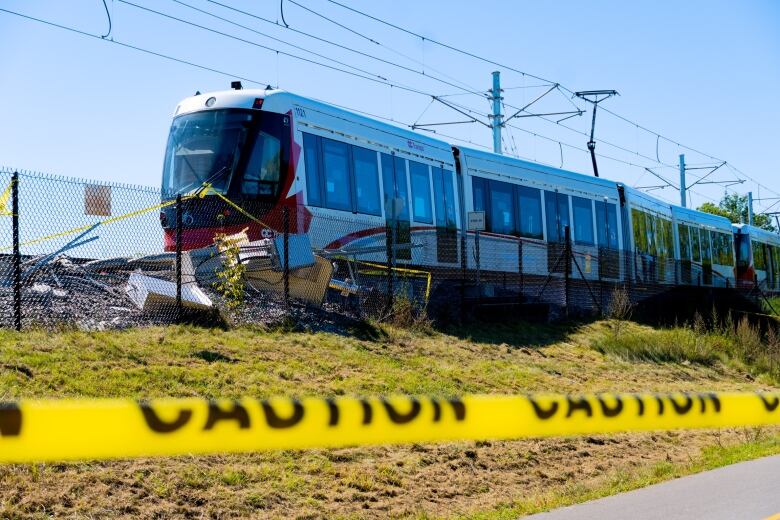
(4, 211)
(233, 205)
(51, 430)
(103, 223)
(424, 274)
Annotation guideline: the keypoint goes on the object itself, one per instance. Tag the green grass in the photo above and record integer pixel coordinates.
(772, 305)
(473, 479)
(740, 345)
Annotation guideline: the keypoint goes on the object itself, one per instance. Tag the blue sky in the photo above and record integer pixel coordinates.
(704, 73)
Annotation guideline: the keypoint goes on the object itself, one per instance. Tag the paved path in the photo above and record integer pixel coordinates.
(749, 490)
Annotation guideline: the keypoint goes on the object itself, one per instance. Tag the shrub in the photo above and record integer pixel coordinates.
(230, 282)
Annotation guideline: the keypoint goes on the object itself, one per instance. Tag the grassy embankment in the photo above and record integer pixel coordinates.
(486, 480)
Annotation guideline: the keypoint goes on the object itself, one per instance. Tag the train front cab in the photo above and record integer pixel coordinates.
(226, 146)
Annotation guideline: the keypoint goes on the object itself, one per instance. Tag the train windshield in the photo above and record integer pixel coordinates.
(222, 147)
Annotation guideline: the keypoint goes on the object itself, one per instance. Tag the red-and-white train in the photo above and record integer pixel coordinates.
(347, 179)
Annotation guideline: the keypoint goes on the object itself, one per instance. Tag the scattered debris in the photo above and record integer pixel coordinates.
(155, 295)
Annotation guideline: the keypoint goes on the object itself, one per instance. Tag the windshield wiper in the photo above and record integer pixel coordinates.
(200, 188)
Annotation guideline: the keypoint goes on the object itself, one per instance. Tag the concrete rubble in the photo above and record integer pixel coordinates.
(155, 295)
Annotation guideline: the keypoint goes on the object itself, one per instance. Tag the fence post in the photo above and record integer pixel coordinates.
(600, 261)
(178, 257)
(520, 269)
(463, 263)
(390, 262)
(17, 256)
(286, 227)
(479, 265)
(567, 268)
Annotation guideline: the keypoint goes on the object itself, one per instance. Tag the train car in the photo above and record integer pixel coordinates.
(536, 203)
(650, 249)
(705, 248)
(758, 257)
(264, 150)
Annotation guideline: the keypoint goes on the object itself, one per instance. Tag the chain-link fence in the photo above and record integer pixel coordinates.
(104, 255)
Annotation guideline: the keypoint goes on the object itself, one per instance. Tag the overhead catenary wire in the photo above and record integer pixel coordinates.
(108, 15)
(237, 76)
(465, 89)
(470, 54)
(554, 85)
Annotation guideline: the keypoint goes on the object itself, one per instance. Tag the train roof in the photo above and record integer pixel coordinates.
(757, 232)
(700, 217)
(281, 101)
(550, 176)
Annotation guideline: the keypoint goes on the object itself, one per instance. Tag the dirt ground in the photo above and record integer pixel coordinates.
(411, 481)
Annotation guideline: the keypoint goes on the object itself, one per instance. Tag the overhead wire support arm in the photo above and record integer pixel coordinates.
(650, 171)
(555, 86)
(712, 169)
(595, 97)
(458, 110)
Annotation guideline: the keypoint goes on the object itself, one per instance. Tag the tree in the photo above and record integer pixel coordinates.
(735, 208)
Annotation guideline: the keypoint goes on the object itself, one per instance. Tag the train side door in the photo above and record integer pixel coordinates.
(446, 224)
(556, 209)
(706, 257)
(607, 228)
(397, 205)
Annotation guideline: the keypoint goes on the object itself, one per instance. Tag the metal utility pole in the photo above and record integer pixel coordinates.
(683, 196)
(750, 208)
(496, 117)
(595, 97)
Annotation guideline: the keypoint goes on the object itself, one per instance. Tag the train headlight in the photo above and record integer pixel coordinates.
(210, 101)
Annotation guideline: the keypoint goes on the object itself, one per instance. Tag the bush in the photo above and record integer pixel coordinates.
(230, 282)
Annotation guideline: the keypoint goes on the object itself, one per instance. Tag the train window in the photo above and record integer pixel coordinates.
(394, 182)
(444, 198)
(706, 249)
(530, 204)
(421, 192)
(366, 181)
(759, 259)
(606, 224)
(684, 242)
(666, 240)
(556, 207)
(502, 208)
(639, 223)
(479, 192)
(449, 198)
(650, 248)
(743, 250)
(722, 248)
(729, 238)
(695, 243)
(312, 157)
(335, 162)
(261, 176)
(583, 220)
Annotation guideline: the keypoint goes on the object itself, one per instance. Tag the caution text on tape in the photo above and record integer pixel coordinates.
(49, 430)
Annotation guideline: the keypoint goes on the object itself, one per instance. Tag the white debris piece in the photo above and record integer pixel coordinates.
(41, 288)
(153, 294)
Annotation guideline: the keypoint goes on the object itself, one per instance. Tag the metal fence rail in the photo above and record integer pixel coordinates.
(104, 255)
